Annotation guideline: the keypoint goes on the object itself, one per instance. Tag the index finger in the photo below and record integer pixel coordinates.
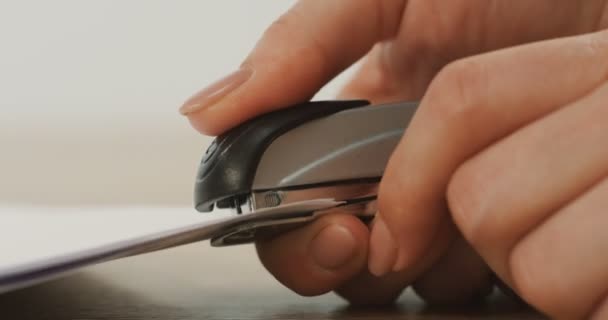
(299, 53)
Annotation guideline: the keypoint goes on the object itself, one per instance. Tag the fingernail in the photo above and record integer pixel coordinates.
(333, 247)
(213, 93)
(382, 249)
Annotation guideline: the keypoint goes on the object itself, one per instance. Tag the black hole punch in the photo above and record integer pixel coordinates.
(230, 164)
(224, 203)
(234, 203)
(237, 205)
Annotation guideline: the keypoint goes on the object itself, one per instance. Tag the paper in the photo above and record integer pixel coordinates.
(37, 244)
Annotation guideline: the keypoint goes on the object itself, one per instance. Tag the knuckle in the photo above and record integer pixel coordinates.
(456, 93)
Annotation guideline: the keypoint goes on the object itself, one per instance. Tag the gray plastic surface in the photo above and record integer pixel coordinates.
(351, 144)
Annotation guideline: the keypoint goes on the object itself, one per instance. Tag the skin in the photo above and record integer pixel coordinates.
(502, 170)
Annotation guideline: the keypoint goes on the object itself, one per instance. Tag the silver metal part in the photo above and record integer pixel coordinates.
(244, 207)
(251, 230)
(358, 199)
(339, 192)
(351, 144)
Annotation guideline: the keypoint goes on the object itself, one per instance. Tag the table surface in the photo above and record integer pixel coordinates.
(200, 282)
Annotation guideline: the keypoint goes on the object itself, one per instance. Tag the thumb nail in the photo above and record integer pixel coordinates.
(333, 247)
(213, 93)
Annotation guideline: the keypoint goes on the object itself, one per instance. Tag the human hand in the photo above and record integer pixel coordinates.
(413, 41)
(516, 141)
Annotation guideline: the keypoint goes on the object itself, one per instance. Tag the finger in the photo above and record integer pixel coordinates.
(534, 172)
(378, 82)
(460, 276)
(368, 289)
(562, 267)
(470, 104)
(298, 54)
(504, 192)
(319, 257)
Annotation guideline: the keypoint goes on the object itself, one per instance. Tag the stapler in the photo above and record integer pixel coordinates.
(288, 167)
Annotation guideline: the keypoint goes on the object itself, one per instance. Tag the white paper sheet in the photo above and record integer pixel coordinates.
(41, 243)
(37, 244)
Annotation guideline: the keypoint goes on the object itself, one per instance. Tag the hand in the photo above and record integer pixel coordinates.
(517, 136)
(412, 41)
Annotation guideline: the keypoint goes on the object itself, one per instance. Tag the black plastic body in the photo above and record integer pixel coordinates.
(228, 167)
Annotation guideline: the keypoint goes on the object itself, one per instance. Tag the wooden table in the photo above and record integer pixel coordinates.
(200, 282)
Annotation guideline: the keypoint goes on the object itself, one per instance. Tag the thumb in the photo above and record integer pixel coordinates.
(318, 257)
(298, 54)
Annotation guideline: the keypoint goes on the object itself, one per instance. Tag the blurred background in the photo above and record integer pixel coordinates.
(89, 92)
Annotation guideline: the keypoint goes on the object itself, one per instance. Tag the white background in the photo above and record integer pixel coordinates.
(89, 92)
